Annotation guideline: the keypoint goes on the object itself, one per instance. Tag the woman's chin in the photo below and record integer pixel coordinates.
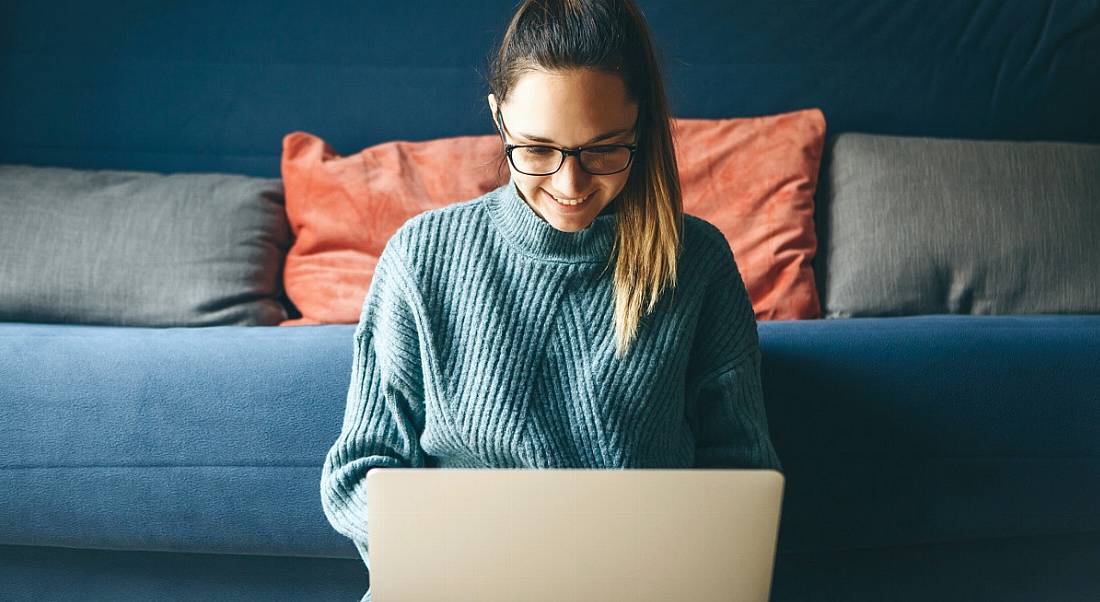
(569, 225)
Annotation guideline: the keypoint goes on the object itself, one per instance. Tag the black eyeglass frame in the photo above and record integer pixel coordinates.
(564, 152)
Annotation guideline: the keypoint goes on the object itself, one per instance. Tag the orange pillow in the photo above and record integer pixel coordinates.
(754, 178)
(342, 210)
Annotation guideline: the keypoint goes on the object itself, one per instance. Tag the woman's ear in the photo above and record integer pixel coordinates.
(493, 108)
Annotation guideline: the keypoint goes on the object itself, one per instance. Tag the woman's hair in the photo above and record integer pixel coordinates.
(612, 36)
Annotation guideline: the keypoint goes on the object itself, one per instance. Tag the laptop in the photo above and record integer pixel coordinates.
(572, 534)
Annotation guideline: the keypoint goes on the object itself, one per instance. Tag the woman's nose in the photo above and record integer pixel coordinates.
(571, 181)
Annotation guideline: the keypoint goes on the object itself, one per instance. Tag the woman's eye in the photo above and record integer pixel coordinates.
(538, 150)
(602, 150)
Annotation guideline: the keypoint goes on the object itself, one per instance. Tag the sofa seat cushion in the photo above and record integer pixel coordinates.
(931, 429)
(892, 431)
(177, 439)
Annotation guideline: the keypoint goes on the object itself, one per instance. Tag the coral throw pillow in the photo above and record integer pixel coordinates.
(344, 209)
(754, 178)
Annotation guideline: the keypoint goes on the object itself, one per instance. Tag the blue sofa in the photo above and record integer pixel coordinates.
(927, 457)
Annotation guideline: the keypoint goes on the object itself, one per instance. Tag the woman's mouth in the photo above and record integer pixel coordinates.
(571, 203)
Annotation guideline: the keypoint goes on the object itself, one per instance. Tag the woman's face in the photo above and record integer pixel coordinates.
(578, 107)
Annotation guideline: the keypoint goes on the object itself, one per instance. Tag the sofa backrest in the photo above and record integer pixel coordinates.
(213, 86)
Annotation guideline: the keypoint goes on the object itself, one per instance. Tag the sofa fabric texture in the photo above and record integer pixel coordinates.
(947, 226)
(212, 440)
(131, 248)
(165, 85)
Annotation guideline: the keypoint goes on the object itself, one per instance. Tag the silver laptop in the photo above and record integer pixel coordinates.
(572, 534)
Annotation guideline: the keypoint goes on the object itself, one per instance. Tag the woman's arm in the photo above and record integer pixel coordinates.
(384, 415)
(732, 427)
(728, 416)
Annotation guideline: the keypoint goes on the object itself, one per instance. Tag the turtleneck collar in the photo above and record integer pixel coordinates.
(522, 227)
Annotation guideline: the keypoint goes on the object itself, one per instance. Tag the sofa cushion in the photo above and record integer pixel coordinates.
(937, 226)
(140, 249)
(342, 210)
(930, 429)
(168, 90)
(212, 439)
(170, 439)
(753, 177)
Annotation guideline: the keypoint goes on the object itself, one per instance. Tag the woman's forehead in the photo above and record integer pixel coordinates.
(568, 107)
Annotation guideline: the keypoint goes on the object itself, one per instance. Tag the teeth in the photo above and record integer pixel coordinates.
(570, 202)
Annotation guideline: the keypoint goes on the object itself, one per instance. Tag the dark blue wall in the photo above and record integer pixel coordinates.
(213, 86)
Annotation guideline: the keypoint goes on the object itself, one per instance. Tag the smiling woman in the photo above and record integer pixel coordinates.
(569, 105)
(492, 334)
(571, 74)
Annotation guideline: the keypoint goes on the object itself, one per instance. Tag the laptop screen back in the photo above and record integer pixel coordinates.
(572, 534)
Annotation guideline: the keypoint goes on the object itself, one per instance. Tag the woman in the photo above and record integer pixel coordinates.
(574, 317)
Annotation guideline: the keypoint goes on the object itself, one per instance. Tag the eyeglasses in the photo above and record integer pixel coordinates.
(543, 160)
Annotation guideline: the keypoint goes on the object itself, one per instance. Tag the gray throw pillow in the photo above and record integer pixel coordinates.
(942, 226)
(140, 249)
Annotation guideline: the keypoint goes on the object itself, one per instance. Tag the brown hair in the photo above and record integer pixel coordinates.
(612, 36)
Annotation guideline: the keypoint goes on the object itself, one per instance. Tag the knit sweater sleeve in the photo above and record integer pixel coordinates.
(384, 413)
(728, 416)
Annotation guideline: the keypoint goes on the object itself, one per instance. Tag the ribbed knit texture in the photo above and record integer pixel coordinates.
(486, 340)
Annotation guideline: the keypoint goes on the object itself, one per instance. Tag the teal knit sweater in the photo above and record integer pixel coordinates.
(486, 339)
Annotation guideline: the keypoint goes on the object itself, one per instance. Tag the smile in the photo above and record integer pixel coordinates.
(571, 202)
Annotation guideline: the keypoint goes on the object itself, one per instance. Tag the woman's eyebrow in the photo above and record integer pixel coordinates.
(610, 134)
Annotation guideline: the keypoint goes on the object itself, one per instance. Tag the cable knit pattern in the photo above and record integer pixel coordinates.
(487, 340)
